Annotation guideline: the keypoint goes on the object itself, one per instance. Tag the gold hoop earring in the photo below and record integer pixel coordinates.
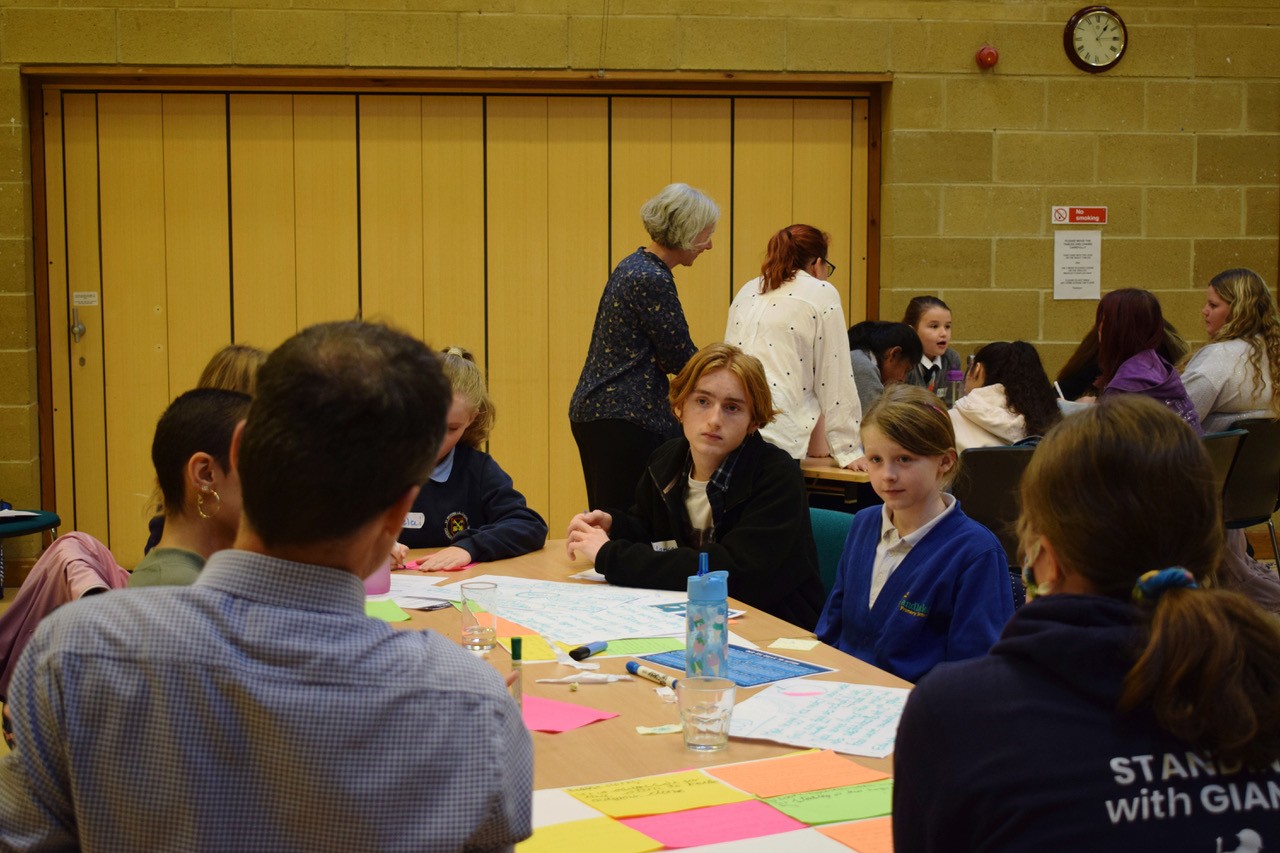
(217, 506)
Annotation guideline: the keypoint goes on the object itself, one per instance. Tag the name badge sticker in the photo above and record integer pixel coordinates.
(668, 545)
(414, 521)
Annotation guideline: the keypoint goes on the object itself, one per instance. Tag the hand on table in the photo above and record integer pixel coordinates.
(859, 464)
(587, 533)
(452, 557)
(398, 554)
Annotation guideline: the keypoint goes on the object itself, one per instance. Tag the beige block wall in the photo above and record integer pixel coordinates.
(1181, 140)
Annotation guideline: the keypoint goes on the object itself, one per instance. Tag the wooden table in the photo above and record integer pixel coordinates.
(611, 749)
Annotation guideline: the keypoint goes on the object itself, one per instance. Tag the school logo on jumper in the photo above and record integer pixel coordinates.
(455, 523)
(913, 608)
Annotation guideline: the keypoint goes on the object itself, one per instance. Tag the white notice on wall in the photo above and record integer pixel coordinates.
(1077, 264)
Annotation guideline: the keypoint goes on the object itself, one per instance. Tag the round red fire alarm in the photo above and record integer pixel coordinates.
(987, 56)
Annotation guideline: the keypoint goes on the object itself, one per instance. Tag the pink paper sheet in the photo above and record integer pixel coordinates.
(732, 822)
(550, 715)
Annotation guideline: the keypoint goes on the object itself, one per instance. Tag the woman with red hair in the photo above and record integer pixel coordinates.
(1130, 329)
(790, 318)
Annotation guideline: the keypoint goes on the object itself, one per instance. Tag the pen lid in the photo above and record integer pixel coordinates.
(516, 643)
(713, 586)
(955, 375)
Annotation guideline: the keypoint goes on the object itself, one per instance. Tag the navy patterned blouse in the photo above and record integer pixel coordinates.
(640, 336)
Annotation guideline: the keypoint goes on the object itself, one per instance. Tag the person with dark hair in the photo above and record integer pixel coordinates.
(1126, 706)
(259, 708)
(1130, 328)
(191, 453)
(930, 317)
(720, 489)
(618, 412)
(469, 508)
(1007, 397)
(881, 353)
(790, 318)
(1079, 376)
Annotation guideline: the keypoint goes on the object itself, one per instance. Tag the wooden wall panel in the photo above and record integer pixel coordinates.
(763, 164)
(641, 167)
(702, 156)
(84, 275)
(391, 210)
(262, 219)
(453, 223)
(578, 257)
(859, 225)
(519, 234)
(197, 245)
(135, 335)
(59, 317)
(822, 193)
(327, 242)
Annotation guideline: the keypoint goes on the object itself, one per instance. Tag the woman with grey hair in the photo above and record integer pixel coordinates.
(619, 411)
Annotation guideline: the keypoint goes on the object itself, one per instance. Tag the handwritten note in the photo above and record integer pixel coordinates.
(792, 774)
(658, 794)
(550, 715)
(858, 719)
(732, 822)
(865, 836)
(798, 644)
(588, 836)
(854, 802)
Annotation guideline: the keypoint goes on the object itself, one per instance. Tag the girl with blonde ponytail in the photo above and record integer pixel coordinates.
(1131, 705)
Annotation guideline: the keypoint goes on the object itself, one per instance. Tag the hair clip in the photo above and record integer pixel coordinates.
(1153, 584)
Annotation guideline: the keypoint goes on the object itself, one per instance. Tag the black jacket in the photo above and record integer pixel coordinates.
(762, 538)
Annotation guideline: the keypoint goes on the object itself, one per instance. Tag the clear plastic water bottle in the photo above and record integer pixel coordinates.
(706, 649)
(955, 385)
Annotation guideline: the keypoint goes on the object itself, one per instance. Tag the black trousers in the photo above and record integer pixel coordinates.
(614, 453)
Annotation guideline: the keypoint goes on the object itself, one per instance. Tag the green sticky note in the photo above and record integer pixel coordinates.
(644, 646)
(852, 802)
(384, 609)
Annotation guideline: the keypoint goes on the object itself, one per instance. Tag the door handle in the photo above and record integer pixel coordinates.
(77, 328)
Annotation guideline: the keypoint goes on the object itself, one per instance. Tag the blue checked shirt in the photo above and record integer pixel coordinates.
(259, 709)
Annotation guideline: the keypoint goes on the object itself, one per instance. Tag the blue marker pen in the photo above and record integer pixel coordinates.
(584, 652)
(653, 675)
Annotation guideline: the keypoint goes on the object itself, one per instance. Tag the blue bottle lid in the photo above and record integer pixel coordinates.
(711, 587)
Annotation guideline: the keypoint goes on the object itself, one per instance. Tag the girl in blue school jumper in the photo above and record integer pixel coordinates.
(469, 507)
(919, 582)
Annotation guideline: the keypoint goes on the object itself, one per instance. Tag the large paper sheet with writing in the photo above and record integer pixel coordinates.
(856, 719)
(584, 613)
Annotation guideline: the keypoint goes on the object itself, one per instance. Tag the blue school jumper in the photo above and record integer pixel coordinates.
(948, 599)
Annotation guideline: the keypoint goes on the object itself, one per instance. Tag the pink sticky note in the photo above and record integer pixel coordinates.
(550, 715)
(733, 822)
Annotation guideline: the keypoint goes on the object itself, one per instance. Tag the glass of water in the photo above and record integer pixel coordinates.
(706, 705)
(479, 615)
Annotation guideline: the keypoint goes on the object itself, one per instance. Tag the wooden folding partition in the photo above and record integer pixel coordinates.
(180, 221)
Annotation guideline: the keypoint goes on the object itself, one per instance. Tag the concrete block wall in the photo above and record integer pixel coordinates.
(1181, 141)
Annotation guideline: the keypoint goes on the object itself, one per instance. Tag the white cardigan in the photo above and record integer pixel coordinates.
(1221, 381)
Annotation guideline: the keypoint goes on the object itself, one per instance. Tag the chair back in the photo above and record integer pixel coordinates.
(830, 529)
(1222, 448)
(1253, 484)
(987, 488)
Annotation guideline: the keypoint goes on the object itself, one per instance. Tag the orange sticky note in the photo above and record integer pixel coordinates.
(795, 774)
(865, 836)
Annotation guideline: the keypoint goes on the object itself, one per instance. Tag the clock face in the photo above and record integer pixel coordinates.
(1095, 39)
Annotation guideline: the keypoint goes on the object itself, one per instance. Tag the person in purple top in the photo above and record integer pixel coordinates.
(1130, 329)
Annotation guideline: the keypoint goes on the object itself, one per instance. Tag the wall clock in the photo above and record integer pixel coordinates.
(1095, 39)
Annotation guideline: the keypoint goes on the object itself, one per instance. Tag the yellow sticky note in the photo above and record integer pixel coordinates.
(588, 836)
(799, 645)
(533, 648)
(671, 792)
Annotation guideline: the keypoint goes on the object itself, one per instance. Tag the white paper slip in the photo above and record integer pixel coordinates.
(857, 719)
(798, 644)
(589, 575)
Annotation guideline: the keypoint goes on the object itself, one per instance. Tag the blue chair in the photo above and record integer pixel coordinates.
(830, 529)
(22, 525)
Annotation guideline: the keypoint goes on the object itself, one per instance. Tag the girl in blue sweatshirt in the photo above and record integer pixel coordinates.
(919, 582)
(469, 507)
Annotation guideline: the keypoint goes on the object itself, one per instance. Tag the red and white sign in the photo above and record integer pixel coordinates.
(1067, 215)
